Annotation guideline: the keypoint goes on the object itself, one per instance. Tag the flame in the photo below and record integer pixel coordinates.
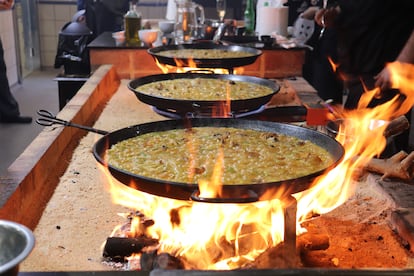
(227, 236)
(212, 188)
(189, 65)
(208, 236)
(360, 143)
(333, 64)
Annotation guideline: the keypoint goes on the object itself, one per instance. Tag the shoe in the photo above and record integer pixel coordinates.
(16, 120)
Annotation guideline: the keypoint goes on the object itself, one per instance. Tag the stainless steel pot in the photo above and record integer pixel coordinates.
(16, 242)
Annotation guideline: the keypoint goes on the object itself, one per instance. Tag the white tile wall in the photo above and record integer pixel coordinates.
(52, 17)
(7, 38)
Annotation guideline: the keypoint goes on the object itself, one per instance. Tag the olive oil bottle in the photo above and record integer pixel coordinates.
(132, 24)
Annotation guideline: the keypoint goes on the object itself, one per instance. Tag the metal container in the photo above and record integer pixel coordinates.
(16, 242)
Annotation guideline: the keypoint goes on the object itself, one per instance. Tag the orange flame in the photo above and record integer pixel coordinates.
(212, 188)
(226, 236)
(189, 65)
(207, 235)
(361, 143)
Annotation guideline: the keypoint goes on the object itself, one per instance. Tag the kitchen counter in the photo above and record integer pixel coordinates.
(134, 61)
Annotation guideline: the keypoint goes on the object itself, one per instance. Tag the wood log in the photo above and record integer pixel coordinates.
(118, 248)
(167, 261)
(396, 126)
(152, 260)
(277, 257)
(400, 165)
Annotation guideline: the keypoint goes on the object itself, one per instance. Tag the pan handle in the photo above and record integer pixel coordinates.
(250, 197)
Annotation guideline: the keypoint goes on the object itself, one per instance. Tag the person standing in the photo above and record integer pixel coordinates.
(9, 108)
(105, 15)
(317, 68)
(371, 34)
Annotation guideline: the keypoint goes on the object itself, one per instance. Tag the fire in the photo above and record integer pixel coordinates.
(212, 188)
(360, 143)
(191, 66)
(227, 236)
(208, 236)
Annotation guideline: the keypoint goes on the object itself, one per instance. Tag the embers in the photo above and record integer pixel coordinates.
(136, 241)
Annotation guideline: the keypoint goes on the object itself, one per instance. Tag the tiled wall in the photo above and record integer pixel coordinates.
(7, 38)
(53, 15)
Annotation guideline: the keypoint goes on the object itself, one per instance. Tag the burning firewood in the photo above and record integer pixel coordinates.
(396, 126)
(118, 248)
(277, 257)
(152, 260)
(400, 165)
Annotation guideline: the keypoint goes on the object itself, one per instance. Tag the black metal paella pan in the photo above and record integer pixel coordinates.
(195, 104)
(233, 193)
(227, 62)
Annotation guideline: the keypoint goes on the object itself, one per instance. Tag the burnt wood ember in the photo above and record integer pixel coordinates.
(152, 260)
(118, 248)
(279, 256)
(140, 228)
(313, 242)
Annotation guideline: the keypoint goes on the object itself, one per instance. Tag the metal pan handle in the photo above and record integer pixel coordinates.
(249, 198)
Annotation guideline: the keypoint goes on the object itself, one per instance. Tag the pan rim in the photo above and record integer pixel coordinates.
(190, 105)
(337, 153)
(226, 63)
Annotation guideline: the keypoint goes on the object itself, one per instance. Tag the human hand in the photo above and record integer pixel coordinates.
(383, 79)
(6, 4)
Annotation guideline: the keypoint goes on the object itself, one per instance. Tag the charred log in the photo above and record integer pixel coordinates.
(117, 248)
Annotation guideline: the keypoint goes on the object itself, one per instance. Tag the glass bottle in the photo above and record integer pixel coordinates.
(249, 17)
(132, 24)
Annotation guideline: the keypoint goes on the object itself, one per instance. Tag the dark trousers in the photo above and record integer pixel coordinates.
(317, 69)
(8, 104)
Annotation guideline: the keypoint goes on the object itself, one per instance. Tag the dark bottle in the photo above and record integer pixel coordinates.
(249, 17)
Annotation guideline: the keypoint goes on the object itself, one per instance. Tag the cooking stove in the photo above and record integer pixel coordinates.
(77, 176)
(173, 114)
(274, 114)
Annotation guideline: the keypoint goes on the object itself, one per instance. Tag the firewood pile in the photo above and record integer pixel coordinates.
(401, 164)
(334, 240)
